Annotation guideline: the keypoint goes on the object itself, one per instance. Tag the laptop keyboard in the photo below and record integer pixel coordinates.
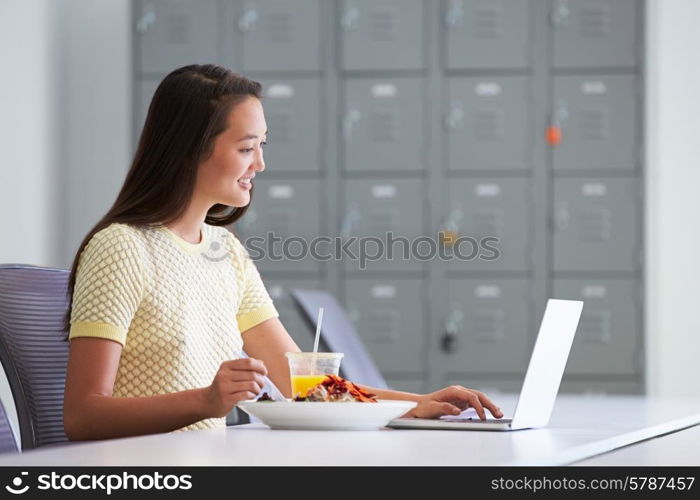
(478, 420)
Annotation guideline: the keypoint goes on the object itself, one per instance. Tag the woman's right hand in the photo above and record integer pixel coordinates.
(236, 380)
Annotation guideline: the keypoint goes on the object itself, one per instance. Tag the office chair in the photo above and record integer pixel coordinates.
(339, 335)
(7, 438)
(33, 301)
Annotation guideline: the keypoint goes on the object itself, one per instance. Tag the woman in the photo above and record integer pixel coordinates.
(164, 298)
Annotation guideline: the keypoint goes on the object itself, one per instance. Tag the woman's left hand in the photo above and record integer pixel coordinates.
(452, 401)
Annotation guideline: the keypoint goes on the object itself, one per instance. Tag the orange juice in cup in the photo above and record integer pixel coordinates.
(308, 369)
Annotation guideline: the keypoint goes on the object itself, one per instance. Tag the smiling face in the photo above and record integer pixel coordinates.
(225, 177)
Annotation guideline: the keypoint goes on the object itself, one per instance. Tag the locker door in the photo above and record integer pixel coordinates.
(291, 318)
(381, 34)
(596, 225)
(594, 33)
(486, 34)
(292, 113)
(173, 33)
(491, 322)
(389, 317)
(608, 337)
(376, 207)
(497, 208)
(279, 35)
(284, 216)
(598, 120)
(383, 124)
(488, 123)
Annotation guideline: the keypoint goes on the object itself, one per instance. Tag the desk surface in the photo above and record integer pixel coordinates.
(580, 427)
(679, 448)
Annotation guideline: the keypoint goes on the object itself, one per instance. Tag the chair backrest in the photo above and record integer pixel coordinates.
(7, 438)
(33, 301)
(339, 335)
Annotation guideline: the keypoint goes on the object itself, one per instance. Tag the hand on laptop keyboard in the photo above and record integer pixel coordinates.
(453, 401)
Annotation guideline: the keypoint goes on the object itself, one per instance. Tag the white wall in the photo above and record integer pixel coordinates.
(29, 86)
(673, 198)
(65, 101)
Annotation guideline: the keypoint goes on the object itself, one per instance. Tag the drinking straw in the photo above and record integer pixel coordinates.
(318, 328)
(318, 335)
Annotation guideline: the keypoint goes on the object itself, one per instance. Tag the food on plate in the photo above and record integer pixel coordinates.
(336, 389)
(265, 397)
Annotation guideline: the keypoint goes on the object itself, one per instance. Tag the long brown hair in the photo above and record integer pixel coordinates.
(188, 111)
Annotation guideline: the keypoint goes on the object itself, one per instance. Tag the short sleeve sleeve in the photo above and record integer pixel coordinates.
(108, 285)
(255, 305)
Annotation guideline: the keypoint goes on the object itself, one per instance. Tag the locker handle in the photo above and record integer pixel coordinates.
(561, 217)
(450, 337)
(455, 14)
(145, 22)
(455, 117)
(248, 20)
(553, 135)
(560, 14)
(350, 219)
(350, 120)
(350, 19)
(449, 343)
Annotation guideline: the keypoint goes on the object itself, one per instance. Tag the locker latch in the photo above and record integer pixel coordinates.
(350, 121)
(351, 218)
(452, 326)
(248, 20)
(144, 23)
(350, 19)
(450, 227)
(454, 16)
(554, 131)
(455, 116)
(560, 13)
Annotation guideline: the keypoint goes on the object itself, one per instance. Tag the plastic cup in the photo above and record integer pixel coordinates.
(308, 369)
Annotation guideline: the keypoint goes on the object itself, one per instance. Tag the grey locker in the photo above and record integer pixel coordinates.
(598, 119)
(596, 225)
(381, 34)
(376, 207)
(174, 33)
(594, 33)
(382, 127)
(415, 385)
(493, 208)
(389, 317)
(293, 321)
(289, 211)
(608, 338)
(491, 319)
(292, 113)
(487, 34)
(276, 35)
(488, 123)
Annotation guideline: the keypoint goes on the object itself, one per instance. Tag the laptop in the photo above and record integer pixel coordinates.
(541, 383)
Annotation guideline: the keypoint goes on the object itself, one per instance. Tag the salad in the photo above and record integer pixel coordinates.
(332, 389)
(336, 389)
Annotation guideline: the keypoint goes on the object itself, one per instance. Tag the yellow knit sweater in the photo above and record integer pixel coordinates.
(177, 308)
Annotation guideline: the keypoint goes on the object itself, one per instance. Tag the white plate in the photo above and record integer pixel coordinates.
(325, 415)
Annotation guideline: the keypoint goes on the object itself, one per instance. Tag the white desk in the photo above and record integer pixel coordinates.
(680, 448)
(580, 427)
